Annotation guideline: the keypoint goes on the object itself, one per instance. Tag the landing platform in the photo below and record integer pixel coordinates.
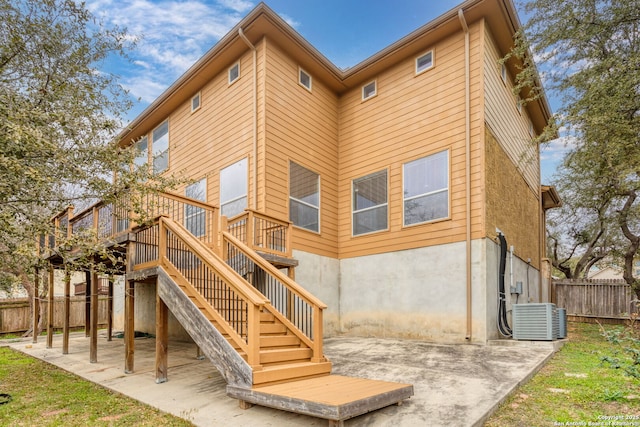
(332, 397)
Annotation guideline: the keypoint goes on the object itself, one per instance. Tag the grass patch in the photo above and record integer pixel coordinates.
(575, 388)
(44, 395)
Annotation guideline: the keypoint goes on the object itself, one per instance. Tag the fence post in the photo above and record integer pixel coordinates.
(36, 304)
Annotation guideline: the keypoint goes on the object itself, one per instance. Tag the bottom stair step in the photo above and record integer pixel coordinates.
(277, 373)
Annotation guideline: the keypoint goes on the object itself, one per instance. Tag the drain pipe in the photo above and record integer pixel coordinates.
(467, 138)
(255, 117)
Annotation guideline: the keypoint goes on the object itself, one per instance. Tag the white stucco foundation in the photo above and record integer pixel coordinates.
(415, 294)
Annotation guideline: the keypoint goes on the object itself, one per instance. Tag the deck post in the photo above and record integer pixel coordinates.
(87, 301)
(318, 355)
(93, 324)
(36, 304)
(50, 309)
(110, 310)
(162, 340)
(129, 329)
(253, 353)
(66, 311)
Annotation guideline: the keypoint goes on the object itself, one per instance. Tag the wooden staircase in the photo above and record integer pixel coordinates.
(224, 332)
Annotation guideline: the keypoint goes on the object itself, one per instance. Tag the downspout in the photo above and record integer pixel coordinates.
(467, 140)
(255, 117)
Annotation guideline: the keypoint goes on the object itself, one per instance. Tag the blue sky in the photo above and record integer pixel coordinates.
(173, 34)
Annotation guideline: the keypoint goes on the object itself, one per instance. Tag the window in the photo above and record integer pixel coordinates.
(369, 90)
(233, 189)
(519, 104)
(503, 72)
(234, 72)
(426, 188)
(304, 79)
(195, 102)
(370, 203)
(160, 146)
(142, 152)
(424, 62)
(195, 216)
(304, 197)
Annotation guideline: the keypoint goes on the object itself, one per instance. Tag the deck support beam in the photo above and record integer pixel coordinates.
(93, 324)
(67, 311)
(110, 310)
(36, 304)
(129, 328)
(50, 299)
(162, 340)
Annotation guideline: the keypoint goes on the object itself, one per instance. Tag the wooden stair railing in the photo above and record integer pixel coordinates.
(260, 232)
(274, 348)
(290, 303)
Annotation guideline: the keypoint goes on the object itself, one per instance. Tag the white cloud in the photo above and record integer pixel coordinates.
(171, 34)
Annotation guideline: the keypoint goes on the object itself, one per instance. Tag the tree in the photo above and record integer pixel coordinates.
(590, 51)
(59, 117)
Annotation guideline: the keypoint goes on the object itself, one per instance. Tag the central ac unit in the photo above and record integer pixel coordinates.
(562, 323)
(535, 322)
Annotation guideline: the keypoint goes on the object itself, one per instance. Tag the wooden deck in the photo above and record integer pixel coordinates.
(332, 397)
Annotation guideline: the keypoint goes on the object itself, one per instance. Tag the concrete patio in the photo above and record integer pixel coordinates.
(455, 385)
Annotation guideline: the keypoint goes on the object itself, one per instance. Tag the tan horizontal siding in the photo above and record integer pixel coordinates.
(301, 126)
(412, 117)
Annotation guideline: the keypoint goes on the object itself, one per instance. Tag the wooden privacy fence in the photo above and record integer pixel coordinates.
(607, 299)
(15, 315)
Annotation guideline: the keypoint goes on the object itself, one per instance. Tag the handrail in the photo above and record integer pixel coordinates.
(267, 266)
(234, 304)
(109, 218)
(261, 232)
(292, 305)
(251, 294)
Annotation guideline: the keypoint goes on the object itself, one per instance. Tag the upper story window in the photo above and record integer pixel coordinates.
(370, 203)
(304, 79)
(426, 188)
(233, 188)
(195, 102)
(195, 216)
(304, 197)
(234, 72)
(142, 152)
(424, 62)
(503, 73)
(369, 90)
(160, 147)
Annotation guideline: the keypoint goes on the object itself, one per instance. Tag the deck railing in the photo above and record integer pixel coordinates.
(236, 303)
(261, 232)
(109, 219)
(293, 305)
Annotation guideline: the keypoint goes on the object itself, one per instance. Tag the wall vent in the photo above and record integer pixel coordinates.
(535, 322)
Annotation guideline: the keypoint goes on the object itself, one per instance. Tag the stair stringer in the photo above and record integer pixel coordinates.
(233, 368)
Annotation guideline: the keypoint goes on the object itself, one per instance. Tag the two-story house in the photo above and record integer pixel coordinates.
(398, 173)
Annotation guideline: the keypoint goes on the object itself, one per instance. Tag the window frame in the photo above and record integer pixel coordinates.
(375, 90)
(414, 197)
(236, 198)
(229, 79)
(196, 210)
(153, 143)
(355, 211)
(145, 138)
(199, 98)
(300, 73)
(316, 208)
(418, 70)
